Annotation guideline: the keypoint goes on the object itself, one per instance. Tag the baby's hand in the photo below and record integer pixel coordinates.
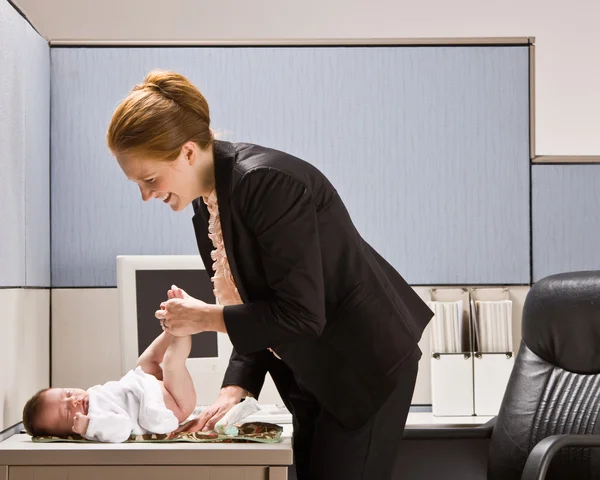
(80, 423)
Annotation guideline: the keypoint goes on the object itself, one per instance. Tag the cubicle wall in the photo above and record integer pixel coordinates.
(24, 213)
(427, 145)
(566, 218)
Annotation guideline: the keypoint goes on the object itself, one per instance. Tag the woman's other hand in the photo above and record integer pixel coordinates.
(181, 317)
(229, 397)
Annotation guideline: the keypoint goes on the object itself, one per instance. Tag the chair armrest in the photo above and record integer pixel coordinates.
(540, 457)
(438, 432)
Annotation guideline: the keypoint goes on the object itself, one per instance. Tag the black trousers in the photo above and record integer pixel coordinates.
(325, 450)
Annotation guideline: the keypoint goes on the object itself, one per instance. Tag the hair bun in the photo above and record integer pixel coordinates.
(158, 89)
(165, 83)
(145, 123)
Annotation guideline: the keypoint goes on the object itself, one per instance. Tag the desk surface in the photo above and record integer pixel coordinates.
(20, 450)
(281, 416)
(427, 420)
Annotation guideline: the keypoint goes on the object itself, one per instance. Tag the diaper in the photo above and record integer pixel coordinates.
(154, 416)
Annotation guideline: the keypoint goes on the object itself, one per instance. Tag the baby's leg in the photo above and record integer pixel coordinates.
(153, 356)
(179, 394)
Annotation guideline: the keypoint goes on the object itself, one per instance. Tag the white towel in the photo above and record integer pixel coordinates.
(134, 404)
(234, 416)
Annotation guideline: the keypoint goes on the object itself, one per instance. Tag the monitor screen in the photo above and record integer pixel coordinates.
(152, 287)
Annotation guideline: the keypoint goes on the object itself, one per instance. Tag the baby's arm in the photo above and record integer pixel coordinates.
(107, 427)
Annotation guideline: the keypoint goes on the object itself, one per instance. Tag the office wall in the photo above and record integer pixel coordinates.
(566, 218)
(437, 138)
(24, 349)
(22, 242)
(567, 38)
(24, 153)
(428, 147)
(24, 213)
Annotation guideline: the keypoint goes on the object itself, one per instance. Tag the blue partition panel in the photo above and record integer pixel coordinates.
(428, 146)
(566, 218)
(12, 185)
(24, 153)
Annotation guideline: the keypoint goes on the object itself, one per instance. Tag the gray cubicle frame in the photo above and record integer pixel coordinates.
(431, 41)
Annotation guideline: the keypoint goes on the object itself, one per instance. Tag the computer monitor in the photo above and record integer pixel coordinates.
(142, 283)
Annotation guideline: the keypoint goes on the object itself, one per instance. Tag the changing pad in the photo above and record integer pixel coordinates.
(260, 432)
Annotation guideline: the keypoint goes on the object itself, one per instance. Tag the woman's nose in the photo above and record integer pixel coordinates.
(147, 194)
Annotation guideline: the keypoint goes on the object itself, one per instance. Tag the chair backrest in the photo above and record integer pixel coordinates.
(555, 384)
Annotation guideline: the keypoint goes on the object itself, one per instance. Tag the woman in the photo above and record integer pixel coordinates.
(299, 292)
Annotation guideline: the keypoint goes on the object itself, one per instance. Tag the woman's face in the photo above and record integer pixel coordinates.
(176, 182)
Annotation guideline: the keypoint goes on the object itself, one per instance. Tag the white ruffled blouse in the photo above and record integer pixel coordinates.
(224, 289)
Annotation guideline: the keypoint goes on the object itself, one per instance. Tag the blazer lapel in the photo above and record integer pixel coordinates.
(200, 222)
(224, 157)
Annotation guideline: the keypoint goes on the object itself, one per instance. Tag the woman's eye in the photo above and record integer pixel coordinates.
(150, 180)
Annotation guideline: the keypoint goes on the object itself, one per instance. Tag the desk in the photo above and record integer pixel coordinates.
(22, 459)
(416, 419)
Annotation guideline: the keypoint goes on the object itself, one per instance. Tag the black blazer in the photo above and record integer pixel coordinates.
(339, 316)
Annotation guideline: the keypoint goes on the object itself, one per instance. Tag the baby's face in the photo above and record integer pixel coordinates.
(59, 408)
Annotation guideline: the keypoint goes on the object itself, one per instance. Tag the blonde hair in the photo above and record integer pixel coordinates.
(158, 117)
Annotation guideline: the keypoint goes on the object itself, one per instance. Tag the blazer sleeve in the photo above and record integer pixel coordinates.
(279, 210)
(247, 371)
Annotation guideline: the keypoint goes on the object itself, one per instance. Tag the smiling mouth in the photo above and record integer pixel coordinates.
(166, 197)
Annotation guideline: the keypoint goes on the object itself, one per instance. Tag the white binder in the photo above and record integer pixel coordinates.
(491, 373)
(452, 360)
(452, 384)
(493, 359)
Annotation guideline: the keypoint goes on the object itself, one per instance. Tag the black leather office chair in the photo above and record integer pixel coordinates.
(552, 400)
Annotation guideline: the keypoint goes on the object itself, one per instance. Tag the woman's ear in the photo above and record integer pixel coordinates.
(189, 152)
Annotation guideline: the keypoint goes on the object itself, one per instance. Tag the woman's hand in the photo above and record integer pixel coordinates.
(184, 315)
(229, 397)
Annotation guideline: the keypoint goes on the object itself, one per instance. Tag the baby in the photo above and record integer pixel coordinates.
(150, 399)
